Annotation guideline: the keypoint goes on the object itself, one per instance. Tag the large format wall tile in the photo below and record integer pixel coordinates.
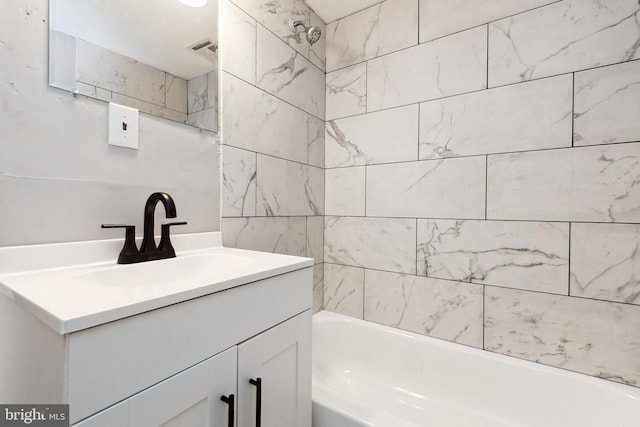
(448, 188)
(380, 29)
(443, 17)
(487, 122)
(260, 122)
(381, 137)
(565, 36)
(344, 193)
(344, 290)
(100, 67)
(593, 184)
(347, 92)
(238, 182)
(448, 66)
(438, 308)
(513, 254)
(239, 42)
(315, 238)
(594, 337)
(606, 105)
(605, 262)
(318, 49)
(315, 151)
(275, 14)
(385, 244)
(318, 288)
(285, 235)
(285, 73)
(288, 188)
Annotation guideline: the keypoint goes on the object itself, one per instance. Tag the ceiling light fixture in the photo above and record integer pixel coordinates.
(194, 3)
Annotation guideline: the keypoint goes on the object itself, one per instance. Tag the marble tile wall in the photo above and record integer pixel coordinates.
(55, 156)
(483, 176)
(111, 77)
(273, 111)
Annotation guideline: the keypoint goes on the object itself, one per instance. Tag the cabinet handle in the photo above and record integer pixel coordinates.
(258, 383)
(229, 400)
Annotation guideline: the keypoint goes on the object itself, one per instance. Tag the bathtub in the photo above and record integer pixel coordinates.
(366, 374)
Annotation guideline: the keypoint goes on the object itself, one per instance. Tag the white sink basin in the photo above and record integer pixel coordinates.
(78, 285)
(167, 271)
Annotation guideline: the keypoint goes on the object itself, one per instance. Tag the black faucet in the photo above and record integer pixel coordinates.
(148, 250)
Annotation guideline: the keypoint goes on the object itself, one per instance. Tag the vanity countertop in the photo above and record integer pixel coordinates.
(79, 285)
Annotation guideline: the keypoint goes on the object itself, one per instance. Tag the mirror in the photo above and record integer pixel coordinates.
(159, 56)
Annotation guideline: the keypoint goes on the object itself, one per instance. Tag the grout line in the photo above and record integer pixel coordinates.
(569, 264)
(486, 186)
(573, 106)
(487, 74)
(484, 314)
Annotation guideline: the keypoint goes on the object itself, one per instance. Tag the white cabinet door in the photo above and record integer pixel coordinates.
(281, 359)
(191, 398)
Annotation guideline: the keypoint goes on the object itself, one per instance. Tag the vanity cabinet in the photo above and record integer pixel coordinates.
(276, 361)
(170, 366)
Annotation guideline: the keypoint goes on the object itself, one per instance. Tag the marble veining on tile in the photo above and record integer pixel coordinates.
(562, 37)
(347, 92)
(487, 122)
(605, 262)
(260, 122)
(239, 47)
(438, 308)
(281, 235)
(513, 254)
(318, 288)
(448, 66)
(274, 15)
(377, 30)
(593, 184)
(315, 149)
(103, 68)
(593, 337)
(238, 182)
(344, 290)
(287, 74)
(382, 243)
(288, 188)
(447, 188)
(606, 105)
(443, 17)
(176, 97)
(198, 94)
(365, 139)
(315, 238)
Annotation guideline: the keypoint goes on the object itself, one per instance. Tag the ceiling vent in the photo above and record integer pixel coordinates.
(205, 49)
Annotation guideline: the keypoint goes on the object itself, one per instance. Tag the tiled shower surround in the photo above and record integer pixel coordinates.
(483, 176)
(273, 131)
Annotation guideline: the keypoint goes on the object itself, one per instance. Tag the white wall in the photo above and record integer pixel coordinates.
(59, 179)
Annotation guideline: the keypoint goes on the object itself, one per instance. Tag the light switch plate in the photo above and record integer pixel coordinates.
(123, 126)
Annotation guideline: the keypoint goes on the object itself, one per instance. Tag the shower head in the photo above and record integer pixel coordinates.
(312, 34)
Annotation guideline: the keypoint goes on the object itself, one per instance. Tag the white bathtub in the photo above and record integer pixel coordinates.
(371, 375)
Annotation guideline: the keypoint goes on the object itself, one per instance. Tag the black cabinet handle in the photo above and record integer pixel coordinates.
(258, 383)
(230, 400)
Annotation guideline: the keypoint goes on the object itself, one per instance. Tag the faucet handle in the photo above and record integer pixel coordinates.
(129, 250)
(165, 239)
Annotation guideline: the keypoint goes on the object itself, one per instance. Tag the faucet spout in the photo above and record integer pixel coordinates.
(148, 241)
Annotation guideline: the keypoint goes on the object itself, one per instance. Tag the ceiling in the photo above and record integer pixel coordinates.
(332, 10)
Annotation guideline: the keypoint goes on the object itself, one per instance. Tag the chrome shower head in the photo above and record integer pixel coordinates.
(312, 34)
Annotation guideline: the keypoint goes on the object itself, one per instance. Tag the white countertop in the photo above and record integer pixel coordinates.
(69, 296)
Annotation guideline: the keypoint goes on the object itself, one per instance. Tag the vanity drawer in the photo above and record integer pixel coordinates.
(111, 362)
